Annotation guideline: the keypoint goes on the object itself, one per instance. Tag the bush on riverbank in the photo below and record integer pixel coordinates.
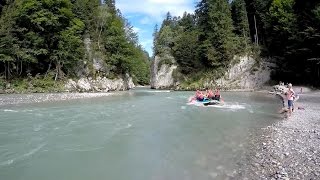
(37, 84)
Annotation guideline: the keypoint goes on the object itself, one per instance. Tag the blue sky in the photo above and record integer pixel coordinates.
(145, 14)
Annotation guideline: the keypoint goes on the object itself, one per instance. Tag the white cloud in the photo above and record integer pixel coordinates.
(147, 43)
(136, 29)
(146, 20)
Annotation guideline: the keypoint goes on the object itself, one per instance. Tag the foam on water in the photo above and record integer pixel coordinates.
(161, 91)
(9, 110)
(230, 106)
(22, 157)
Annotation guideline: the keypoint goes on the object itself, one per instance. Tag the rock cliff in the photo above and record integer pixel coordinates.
(162, 70)
(247, 73)
(94, 62)
(244, 73)
(100, 84)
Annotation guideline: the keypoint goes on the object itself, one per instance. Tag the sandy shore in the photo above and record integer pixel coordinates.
(289, 149)
(47, 97)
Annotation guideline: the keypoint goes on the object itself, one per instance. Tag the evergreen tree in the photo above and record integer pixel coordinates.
(216, 32)
(165, 40)
(240, 18)
(258, 14)
(112, 5)
(187, 22)
(282, 25)
(155, 39)
(185, 52)
(86, 10)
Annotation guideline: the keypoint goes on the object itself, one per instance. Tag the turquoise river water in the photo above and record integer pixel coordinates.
(138, 135)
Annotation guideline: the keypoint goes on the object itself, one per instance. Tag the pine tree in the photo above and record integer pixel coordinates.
(216, 32)
(155, 40)
(187, 22)
(111, 4)
(240, 18)
(282, 24)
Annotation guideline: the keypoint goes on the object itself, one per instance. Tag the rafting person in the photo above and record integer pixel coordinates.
(199, 96)
(217, 95)
(210, 94)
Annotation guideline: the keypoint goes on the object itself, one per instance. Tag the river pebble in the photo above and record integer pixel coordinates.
(290, 148)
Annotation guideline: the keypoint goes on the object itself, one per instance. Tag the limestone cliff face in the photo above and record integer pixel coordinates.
(100, 84)
(94, 62)
(162, 69)
(246, 74)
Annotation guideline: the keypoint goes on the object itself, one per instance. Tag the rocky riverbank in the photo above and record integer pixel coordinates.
(289, 149)
(100, 84)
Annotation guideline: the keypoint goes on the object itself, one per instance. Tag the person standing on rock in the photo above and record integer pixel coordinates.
(290, 96)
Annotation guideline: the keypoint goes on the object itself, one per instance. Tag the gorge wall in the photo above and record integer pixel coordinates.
(246, 73)
(94, 62)
(162, 73)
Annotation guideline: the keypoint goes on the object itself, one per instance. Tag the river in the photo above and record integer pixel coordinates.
(138, 135)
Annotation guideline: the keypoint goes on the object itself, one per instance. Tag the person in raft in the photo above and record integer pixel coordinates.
(217, 95)
(290, 96)
(210, 94)
(199, 96)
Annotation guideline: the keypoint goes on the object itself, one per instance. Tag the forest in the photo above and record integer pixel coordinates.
(204, 43)
(43, 41)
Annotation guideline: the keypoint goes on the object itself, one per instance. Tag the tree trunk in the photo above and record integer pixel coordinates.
(5, 71)
(21, 67)
(99, 37)
(9, 71)
(49, 67)
(17, 67)
(57, 70)
(255, 26)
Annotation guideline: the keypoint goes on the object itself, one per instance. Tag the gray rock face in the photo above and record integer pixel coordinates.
(246, 74)
(162, 77)
(100, 84)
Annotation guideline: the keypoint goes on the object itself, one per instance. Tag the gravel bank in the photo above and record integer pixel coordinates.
(35, 98)
(289, 149)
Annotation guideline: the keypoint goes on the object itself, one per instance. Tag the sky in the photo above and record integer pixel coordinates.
(145, 14)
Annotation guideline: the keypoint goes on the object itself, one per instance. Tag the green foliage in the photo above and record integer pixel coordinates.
(37, 84)
(240, 18)
(216, 32)
(287, 31)
(165, 40)
(203, 44)
(185, 52)
(282, 24)
(42, 36)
